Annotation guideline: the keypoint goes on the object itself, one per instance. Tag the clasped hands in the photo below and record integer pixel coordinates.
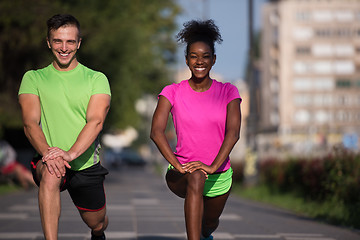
(56, 161)
(197, 165)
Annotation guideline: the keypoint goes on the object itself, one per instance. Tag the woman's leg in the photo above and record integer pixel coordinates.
(213, 207)
(189, 186)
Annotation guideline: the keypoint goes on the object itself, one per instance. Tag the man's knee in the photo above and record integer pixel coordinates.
(48, 180)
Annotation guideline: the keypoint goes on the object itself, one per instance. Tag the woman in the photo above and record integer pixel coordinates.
(207, 120)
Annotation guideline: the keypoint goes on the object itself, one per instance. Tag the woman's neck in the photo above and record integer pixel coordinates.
(200, 85)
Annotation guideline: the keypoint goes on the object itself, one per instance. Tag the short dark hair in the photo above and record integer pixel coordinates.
(199, 31)
(60, 20)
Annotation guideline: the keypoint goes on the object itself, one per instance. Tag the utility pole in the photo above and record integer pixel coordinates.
(252, 120)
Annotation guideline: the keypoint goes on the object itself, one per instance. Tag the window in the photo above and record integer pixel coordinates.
(302, 33)
(303, 50)
(358, 83)
(344, 50)
(323, 16)
(321, 50)
(344, 16)
(301, 67)
(309, 84)
(303, 16)
(321, 116)
(343, 83)
(302, 84)
(274, 118)
(302, 100)
(302, 116)
(324, 84)
(344, 67)
(274, 85)
(323, 67)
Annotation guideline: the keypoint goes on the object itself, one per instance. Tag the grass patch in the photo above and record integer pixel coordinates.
(8, 188)
(331, 211)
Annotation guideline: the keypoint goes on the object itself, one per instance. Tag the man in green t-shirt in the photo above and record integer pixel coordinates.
(64, 106)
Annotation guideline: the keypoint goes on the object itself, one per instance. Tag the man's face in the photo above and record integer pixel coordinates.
(64, 42)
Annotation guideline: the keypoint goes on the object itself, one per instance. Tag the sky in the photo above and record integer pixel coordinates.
(231, 16)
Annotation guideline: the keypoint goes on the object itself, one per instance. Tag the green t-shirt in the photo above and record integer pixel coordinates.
(64, 97)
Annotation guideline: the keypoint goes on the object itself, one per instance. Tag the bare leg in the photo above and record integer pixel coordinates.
(189, 186)
(213, 207)
(96, 221)
(49, 201)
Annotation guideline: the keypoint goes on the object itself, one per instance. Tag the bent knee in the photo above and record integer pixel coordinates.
(49, 180)
(196, 181)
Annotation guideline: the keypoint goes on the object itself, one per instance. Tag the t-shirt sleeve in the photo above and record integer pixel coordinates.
(169, 93)
(28, 84)
(232, 93)
(101, 84)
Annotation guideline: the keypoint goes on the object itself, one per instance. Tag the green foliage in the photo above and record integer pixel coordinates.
(131, 41)
(334, 179)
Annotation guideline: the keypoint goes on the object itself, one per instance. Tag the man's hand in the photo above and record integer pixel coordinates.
(57, 166)
(54, 152)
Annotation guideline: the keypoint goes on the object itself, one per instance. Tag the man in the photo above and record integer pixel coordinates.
(64, 106)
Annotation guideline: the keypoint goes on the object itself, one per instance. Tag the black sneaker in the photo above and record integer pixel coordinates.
(102, 237)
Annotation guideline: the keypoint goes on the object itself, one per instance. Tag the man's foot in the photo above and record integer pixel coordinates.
(206, 238)
(102, 237)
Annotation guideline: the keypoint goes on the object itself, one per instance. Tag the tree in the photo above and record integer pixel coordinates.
(129, 40)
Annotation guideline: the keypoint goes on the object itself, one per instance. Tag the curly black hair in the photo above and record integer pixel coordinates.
(197, 30)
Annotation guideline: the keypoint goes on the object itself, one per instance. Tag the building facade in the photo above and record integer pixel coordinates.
(310, 81)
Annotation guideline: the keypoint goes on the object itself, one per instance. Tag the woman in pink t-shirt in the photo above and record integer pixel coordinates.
(207, 119)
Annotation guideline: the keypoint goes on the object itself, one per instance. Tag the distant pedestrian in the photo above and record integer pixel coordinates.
(12, 168)
(64, 106)
(207, 119)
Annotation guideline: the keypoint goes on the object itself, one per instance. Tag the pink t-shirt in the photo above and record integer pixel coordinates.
(199, 120)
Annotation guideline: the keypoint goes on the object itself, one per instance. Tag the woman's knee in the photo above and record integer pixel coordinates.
(196, 181)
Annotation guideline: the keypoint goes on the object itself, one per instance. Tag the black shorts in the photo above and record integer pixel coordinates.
(86, 187)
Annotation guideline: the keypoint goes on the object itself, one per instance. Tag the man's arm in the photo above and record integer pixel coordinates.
(31, 112)
(30, 109)
(97, 110)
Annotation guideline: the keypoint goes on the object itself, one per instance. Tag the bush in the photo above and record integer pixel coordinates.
(334, 178)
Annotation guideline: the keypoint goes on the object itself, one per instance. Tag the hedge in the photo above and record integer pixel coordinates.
(333, 178)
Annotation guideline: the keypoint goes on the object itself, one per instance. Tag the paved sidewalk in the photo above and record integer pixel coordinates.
(140, 206)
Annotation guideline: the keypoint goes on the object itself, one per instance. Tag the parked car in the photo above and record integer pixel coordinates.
(127, 156)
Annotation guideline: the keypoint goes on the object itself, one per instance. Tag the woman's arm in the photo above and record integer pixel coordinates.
(157, 134)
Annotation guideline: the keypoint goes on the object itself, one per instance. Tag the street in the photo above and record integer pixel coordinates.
(140, 206)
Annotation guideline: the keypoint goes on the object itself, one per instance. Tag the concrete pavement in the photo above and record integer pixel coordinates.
(140, 206)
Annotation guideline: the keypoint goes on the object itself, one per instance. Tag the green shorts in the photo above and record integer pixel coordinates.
(217, 184)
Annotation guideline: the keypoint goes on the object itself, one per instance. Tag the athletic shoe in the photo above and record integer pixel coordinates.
(102, 237)
(207, 238)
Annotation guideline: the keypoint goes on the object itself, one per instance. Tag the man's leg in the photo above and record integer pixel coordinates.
(96, 221)
(49, 201)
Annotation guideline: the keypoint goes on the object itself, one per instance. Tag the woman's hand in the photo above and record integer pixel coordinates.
(197, 165)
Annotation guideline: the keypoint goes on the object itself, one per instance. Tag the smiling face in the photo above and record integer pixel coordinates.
(64, 43)
(200, 60)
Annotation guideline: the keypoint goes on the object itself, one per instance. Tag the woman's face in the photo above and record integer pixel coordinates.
(200, 59)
